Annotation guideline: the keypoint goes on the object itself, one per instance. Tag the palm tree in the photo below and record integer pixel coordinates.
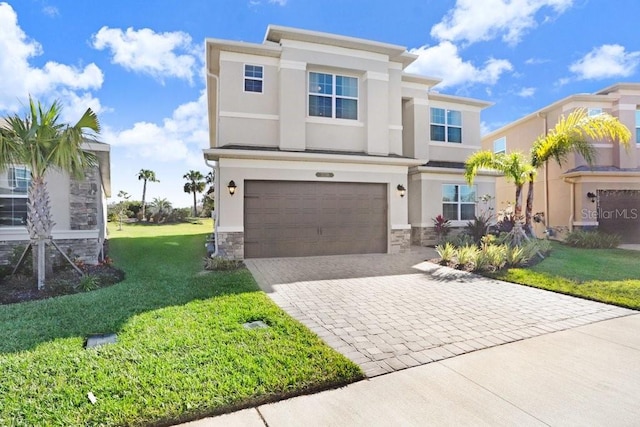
(194, 184)
(514, 166)
(160, 209)
(575, 133)
(40, 142)
(146, 175)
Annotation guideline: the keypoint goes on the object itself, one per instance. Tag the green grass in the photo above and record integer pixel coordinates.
(182, 352)
(606, 275)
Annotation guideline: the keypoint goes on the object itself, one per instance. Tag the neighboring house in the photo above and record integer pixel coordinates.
(606, 196)
(324, 145)
(78, 208)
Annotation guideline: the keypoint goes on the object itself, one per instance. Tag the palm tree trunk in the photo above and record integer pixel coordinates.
(517, 211)
(528, 227)
(144, 195)
(195, 206)
(39, 225)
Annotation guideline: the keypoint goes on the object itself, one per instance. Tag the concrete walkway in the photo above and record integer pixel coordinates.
(387, 315)
(588, 375)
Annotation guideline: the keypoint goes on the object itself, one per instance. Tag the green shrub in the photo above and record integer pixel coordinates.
(89, 283)
(496, 256)
(516, 256)
(460, 240)
(592, 240)
(478, 228)
(447, 253)
(468, 257)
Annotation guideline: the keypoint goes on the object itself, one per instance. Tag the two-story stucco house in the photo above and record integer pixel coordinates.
(322, 144)
(607, 195)
(78, 208)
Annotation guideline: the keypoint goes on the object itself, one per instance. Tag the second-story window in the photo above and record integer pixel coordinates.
(446, 125)
(253, 78)
(500, 145)
(332, 95)
(638, 126)
(594, 111)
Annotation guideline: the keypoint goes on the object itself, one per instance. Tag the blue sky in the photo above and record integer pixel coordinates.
(139, 64)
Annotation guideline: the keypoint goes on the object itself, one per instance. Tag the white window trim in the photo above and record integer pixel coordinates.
(333, 96)
(458, 221)
(6, 173)
(446, 125)
(245, 78)
(504, 150)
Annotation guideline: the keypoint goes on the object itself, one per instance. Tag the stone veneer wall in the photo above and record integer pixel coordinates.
(426, 236)
(83, 201)
(86, 249)
(400, 241)
(231, 245)
(84, 196)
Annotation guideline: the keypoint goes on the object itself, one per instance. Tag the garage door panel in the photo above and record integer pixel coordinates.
(286, 218)
(619, 213)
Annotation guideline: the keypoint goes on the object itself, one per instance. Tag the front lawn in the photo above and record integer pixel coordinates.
(181, 351)
(606, 275)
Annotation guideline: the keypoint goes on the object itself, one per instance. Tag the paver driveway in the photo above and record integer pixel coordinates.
(389, 312)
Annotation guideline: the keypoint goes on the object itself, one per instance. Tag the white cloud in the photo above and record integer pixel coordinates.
(473, 21)
(278, 2)
(609, 60)
(160, 55)
(179, 138)
(19, 78)
(51, 11)
(536, 61)
(527, 92)
(443, 61)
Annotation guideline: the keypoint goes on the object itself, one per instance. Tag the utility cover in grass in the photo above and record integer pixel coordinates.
(256, 324)
(98, 340)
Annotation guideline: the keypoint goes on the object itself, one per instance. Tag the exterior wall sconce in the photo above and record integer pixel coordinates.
(591, 196)
(401, 190)
(232, 187)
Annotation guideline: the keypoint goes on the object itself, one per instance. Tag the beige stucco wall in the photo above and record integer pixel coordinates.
(232, 207)
(425, 193)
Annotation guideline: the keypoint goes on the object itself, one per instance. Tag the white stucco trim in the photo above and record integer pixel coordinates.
(334, 50)
(453, 145)
(239, 115)
(401, 226)
(293, 156)
(230, 229)
(395, 127)
(332, 121)
(373, 75)
(395, 66)
(12, 234)
(293, 65)
(245, 57)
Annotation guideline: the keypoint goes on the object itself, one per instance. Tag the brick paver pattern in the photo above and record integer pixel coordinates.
(411, 316)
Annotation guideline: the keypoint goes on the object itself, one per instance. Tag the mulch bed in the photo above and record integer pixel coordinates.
(65, 281)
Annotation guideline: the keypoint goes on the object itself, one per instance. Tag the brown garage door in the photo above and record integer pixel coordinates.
(619, 213)
(292, 218)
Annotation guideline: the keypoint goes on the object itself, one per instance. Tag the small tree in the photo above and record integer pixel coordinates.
(160, 209)
(195, 184)
(40, 142)
(122, 207)
(146, 175)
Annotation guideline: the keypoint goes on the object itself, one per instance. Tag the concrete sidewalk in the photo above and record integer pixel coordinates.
(588, 375)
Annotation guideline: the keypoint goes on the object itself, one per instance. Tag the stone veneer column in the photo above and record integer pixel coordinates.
(83, 201)
(231, 245)
(400, 241)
